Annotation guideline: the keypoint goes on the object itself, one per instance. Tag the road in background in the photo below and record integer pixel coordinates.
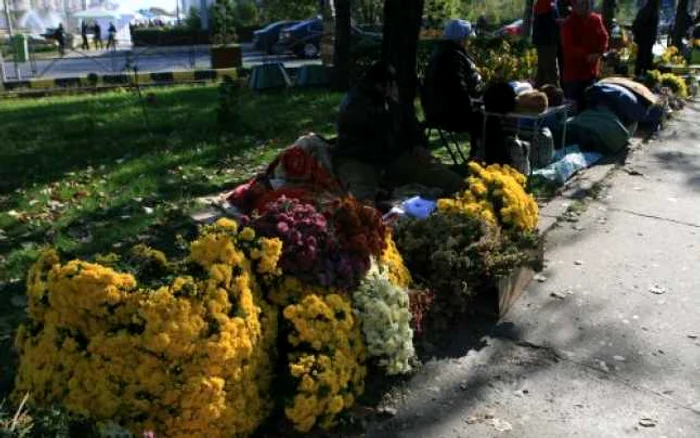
(147, 59)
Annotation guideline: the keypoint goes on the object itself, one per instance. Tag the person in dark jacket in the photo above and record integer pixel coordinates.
(61, 39)
(380, 143)
(644, 29)
(84, 35)
(545, 38)
(451, 82)
(111, 37)
(98, 36)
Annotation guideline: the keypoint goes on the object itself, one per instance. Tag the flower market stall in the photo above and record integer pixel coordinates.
(282, 312)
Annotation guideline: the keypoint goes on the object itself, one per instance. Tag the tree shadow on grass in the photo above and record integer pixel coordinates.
(69, 135)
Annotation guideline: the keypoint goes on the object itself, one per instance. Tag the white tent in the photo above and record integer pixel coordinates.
(104, 17)
(97, 13)
(37, 22)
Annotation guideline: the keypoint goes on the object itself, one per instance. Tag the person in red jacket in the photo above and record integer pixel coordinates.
(584, 39)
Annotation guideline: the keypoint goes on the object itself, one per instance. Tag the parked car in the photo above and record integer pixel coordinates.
(264, 40)
(513, 29)
(304, 39)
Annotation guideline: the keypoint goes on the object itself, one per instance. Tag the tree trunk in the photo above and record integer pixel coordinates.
(682, 23)
(609, 9)
(528, 18)
(341, 54)
(402, 22)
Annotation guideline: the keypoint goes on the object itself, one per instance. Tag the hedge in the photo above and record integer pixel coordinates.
(182, 36)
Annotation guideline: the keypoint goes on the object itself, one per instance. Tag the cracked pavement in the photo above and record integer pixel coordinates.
(609, 344)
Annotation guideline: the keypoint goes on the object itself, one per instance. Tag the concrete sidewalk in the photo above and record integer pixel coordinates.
(607, 342)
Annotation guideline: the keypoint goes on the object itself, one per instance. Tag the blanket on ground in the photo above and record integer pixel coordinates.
(302, 171)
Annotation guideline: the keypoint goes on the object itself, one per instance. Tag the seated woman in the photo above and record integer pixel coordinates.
(451, 81)
(380, 142)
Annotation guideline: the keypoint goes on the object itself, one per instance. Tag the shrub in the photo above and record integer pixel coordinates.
(456, 256)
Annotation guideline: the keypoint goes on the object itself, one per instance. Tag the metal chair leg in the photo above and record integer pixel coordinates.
(455, 142)
(447, 146)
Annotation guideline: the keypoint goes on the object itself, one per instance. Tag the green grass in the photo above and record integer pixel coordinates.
(89, 174)
(82, 173)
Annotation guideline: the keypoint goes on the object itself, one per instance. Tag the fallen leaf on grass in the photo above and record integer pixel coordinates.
(81, 194)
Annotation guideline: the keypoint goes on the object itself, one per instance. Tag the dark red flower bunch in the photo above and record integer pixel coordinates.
(359, 228)
(420, 302)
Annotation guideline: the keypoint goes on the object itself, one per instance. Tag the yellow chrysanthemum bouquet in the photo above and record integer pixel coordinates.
(181, 348)
(495, 194)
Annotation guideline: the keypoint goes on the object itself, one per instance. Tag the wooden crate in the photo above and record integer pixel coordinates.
(498, 298)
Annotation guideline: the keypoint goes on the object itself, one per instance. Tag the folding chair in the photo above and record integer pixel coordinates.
(447, 137)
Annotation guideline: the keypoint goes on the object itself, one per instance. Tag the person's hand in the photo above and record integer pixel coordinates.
(594, 57)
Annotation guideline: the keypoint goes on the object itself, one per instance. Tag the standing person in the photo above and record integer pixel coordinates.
(111, 37)
(451, 81)
(380, 142)
(98, 35)
(545, 38)
(584, 40)
(83, 35)
(644, 29)
(564, 10)
(61, 39)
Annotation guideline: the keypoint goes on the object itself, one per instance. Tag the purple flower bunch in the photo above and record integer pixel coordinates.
(311, 251)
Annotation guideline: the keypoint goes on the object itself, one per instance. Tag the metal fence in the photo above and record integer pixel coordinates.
(123, 58)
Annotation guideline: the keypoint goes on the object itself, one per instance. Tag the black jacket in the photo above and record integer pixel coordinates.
(451, 80)
(646, 25)
(545, 30)
(372, 129)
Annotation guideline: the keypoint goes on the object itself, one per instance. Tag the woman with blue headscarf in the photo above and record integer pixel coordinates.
(451, 81)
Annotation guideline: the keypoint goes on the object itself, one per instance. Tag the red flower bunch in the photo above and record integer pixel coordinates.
(359, 228)
(300, 166)
(297, 163)
(420, 302)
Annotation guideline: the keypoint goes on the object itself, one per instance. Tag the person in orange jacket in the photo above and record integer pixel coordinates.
(584, 40)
